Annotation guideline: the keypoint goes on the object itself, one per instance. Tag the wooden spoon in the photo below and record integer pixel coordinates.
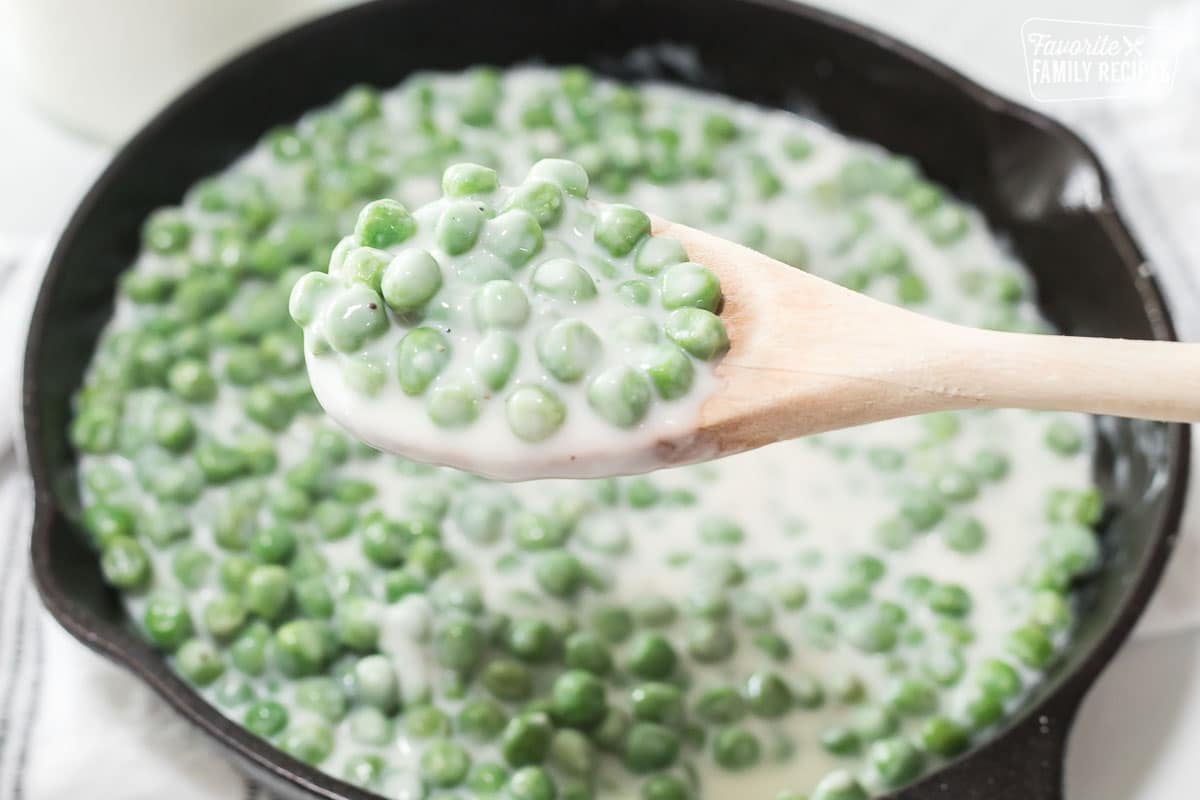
(807, 356)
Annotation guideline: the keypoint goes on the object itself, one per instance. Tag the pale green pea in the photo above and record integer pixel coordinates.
(353, 317)
(364, 265)
(494, 358)
(620, 228)
(567, 349)
(635, 292)
(459, 226)
(463, 180)
(701, 333)
(420, 357)
(514, 236)
(636, 329)
(621, 395)
(564, 279)
(690, 285)
(384, 223)
(657, 253)
(411, 280)
(364, 375)
(500, 304)
(567, 175)
(534, 413)
(453, 403)
(542, 199)
(668, 368)
(306, 295)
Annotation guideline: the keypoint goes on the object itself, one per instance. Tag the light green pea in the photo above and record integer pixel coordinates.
(567, 175)
(384, 223)
(568, 348)
(495, 358)
(353, 317)
(420, 357)
(514, 236)
(635, 292)
(534, 413)
(453, 403)
(411, 280)
(463, 180)
(636, 329)
(542, 199)
(459, 226)
(564, 279)
(364, 265)
(306, 295)
(620, 228)
(657, 253)
(669, 369)
(697, 331)
(690, 285)
(621, 395)
(364, 375)
(500, 304)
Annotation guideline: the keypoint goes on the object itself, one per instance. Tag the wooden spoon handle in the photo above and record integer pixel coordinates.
(1121, 377)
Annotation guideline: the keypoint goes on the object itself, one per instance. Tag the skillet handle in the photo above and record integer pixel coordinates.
(1023, 763)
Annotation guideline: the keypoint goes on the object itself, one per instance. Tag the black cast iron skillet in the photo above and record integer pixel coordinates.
(1037, 183)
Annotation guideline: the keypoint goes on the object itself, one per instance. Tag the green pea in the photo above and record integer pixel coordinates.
(658, 253)
(500, 304)
(308, 740)
(912, 697)
(487, 779)
(444, 763)
(736, 749)
(578, 699)
(363, 770)
(481, 719)
(701, 333)
(620, 228)
(426, 721)
(710, 642)
(410, 280)
(375, 683)
(839, 785)
(543, 199)
(563, 279)
(322, 696)
(106, 523)
(635, 293)
(963, 534)
(514, 236)
(420, 357)
(720, 706)
(1063, 438)
(365, 265)
(192, 381)
(265, 718)
(458, 643)
(507, 679)
(459, 226)
(1031, 646)
(946, 225)
(534, 413)
(146, 287)
(464, 180)
(267, 591)
(357, 624)
(567, 349)
(620, 394)
(495, 357)
(526, 739)
(669, 369)
(896, 761)
(559, 574)
(841, 741)
(567, 175)
(767, 695)
(125, 564)
(650, 747)
(354, 317)
(651, 657)
(167, 622)
(531, 783)
(656, 702)
(922, 509)
(949, 599)
(990, 464)
(224, 616)
(383, 224)
(690, 285)
(166, 232)
(943, 737)
(453, 403)
(654, 611)
(300, 648)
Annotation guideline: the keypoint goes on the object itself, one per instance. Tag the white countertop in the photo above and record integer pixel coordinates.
(1139, 732)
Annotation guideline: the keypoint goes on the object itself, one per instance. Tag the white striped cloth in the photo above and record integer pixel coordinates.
(73, 725)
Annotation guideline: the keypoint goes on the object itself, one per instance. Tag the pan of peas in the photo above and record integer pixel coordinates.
(777, 54)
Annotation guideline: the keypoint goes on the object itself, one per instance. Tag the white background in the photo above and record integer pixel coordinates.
(1138, 737)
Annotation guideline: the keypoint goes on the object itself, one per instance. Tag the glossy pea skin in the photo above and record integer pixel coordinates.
(384, 223)
(701, 333)
(526, 740)
(125, 564)
(567, 175)
(167, 622)
(420, 357)
(464, 180)
(578, 699)
(620, 228)
(563, 279)
(542, 199)
(896, 761)
(513, 236)
(568, 349)
(534, 413)
(354, 317)
(689, 285)
(410, 280)
(657, 253)
(500, 304)
(669, 369)
(619, 394)
(453, 403)
(495, 358)
(459, 227)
